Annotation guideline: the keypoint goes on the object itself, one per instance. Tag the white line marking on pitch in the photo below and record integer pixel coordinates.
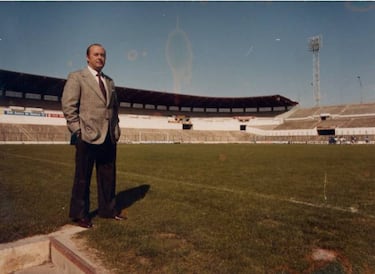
(224, 189)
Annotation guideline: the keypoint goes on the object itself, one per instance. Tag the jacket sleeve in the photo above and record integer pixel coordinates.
(70, 102)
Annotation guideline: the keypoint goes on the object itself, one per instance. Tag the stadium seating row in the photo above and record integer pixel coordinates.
(298, 125)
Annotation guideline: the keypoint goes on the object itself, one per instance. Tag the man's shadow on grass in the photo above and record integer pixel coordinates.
(126, 198)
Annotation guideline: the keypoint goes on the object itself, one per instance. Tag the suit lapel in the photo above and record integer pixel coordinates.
(92, 83)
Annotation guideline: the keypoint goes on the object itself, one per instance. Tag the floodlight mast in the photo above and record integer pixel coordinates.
(315, 43)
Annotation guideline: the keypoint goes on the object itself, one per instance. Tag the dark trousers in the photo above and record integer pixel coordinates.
(104, 158)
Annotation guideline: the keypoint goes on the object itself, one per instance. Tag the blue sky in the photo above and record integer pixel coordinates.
(225, 49)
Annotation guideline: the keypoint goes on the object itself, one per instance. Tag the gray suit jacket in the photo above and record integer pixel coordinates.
(86, 109)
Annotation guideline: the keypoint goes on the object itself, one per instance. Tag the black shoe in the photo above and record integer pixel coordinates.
(84, 222)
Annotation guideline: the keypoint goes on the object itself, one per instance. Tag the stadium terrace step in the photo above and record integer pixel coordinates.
(56, 253)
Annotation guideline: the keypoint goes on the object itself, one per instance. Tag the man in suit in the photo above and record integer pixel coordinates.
(90, 106)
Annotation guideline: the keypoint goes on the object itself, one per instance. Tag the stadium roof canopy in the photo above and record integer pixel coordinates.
(43, 85)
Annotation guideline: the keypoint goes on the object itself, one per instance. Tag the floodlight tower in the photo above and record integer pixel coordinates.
(315, 43)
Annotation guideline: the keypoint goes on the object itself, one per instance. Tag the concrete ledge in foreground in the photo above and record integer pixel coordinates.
(24, 253)
(53, 253)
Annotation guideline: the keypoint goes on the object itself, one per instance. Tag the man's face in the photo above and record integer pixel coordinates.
(96, 58)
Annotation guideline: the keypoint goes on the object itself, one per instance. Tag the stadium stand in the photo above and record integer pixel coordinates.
(30, 112)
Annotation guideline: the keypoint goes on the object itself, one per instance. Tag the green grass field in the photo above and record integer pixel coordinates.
(232, 208)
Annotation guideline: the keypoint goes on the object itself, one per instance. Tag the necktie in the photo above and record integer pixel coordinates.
(101, 86)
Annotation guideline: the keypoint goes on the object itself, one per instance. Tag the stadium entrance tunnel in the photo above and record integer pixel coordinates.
(187, 126)
(326, 131)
